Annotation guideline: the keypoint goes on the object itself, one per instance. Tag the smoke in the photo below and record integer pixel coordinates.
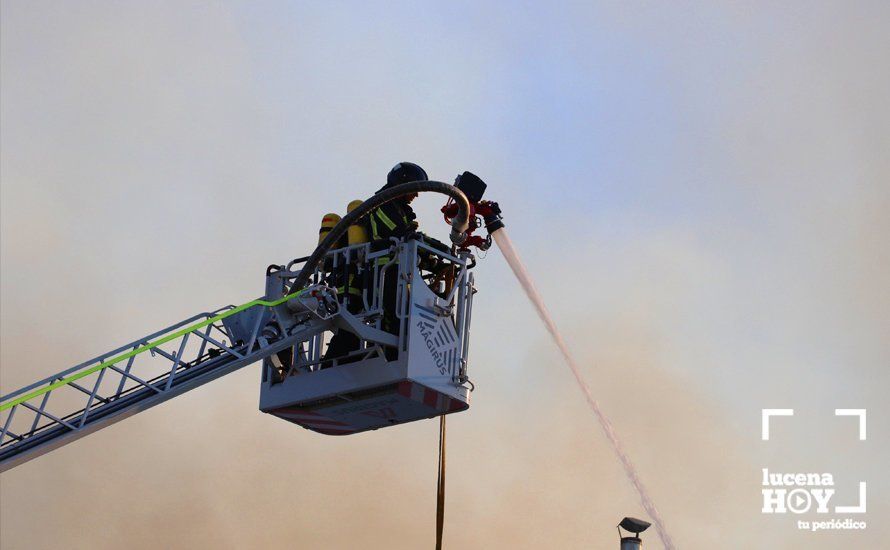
(700, 191)
(512, 257)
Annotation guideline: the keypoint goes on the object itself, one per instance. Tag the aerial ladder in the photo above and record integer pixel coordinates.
(405, 365)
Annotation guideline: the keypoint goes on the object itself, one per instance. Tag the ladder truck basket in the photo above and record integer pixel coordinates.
(407, 358)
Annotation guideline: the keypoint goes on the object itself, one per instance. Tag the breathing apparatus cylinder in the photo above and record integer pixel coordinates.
(328, 221)
(357, 233)
(459, 223)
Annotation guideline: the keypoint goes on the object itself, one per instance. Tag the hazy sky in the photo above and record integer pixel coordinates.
(701, 190)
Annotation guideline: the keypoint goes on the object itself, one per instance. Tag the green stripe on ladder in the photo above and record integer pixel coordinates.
(146, 347)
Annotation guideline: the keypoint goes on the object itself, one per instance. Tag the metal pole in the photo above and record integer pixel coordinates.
(440, 492)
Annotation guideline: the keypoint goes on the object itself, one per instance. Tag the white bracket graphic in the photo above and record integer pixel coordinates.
(765, 415)
(854, 509)
(854, 412)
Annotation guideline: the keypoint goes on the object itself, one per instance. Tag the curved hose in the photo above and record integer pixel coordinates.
(458, 225)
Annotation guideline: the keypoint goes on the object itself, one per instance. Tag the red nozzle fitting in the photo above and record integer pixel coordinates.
(481, 212)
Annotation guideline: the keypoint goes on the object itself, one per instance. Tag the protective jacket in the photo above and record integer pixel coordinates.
(393, 219)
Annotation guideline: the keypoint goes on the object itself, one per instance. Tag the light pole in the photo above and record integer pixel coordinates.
(635, 526)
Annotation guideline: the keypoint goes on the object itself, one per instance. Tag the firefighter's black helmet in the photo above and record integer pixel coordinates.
(404, 172)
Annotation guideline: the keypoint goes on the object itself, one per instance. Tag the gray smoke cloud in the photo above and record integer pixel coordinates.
(699, 191)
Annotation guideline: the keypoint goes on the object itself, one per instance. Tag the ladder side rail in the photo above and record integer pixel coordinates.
(98, 359)
(57, 435)
(149, 343)
(43, 412)
(63, 431)
(167, 380)
(21, 401)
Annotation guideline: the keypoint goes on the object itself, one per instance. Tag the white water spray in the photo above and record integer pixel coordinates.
(506, 246)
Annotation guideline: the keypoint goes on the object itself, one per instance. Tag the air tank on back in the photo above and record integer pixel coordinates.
(357, 234)
(328, 221)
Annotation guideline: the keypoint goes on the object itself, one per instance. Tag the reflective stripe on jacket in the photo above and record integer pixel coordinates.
(393, 219)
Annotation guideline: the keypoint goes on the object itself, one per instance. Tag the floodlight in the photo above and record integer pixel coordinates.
(634, 525)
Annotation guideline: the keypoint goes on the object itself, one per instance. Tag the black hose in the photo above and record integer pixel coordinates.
(458, 225)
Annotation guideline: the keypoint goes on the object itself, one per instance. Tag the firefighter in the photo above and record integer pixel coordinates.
(394, 219)
(349, 288)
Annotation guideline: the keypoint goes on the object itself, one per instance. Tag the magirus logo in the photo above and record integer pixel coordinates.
(426, 331)
(800, 493)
